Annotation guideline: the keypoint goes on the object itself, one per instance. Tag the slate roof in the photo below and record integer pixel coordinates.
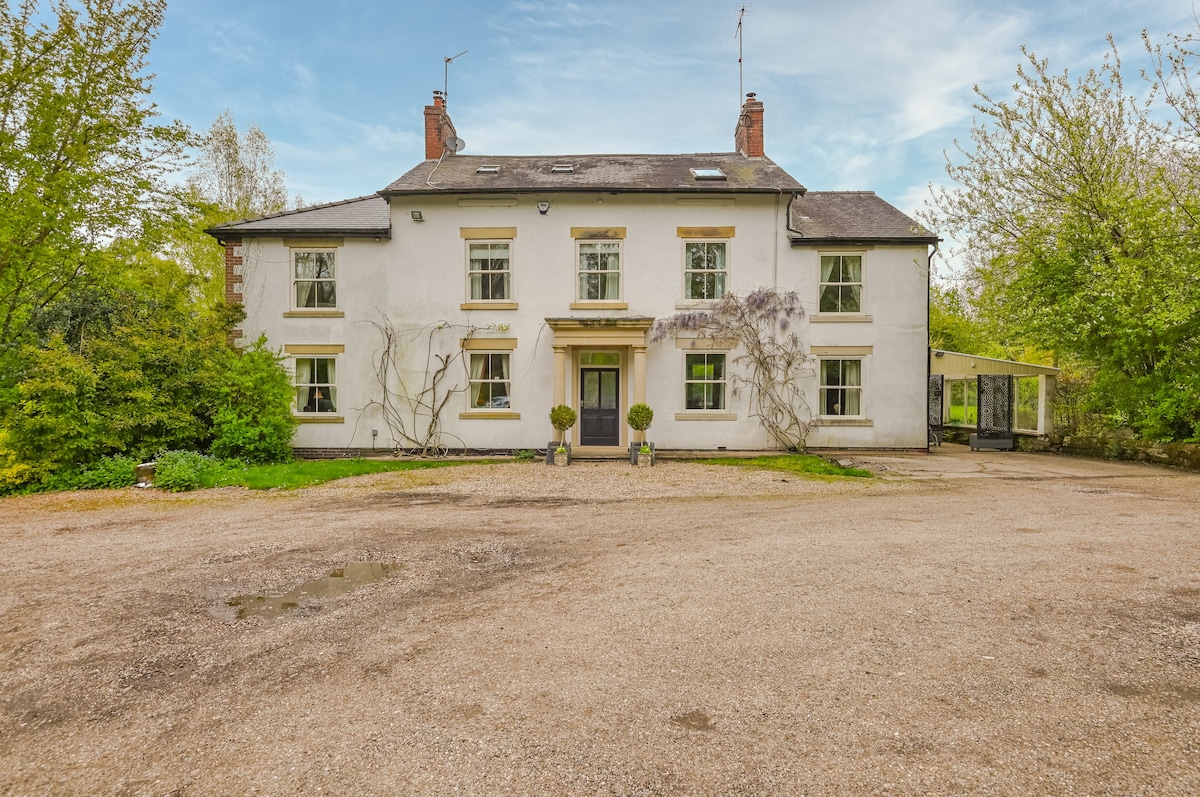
(364, 216)
(609, 173)
(821, 217)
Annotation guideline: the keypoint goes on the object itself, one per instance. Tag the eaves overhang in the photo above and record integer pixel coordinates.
(223, 233)
(927, 240)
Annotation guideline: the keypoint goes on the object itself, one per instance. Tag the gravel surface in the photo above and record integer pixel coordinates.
(969, 623)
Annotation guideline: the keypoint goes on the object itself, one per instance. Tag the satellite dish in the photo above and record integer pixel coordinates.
(455, 144)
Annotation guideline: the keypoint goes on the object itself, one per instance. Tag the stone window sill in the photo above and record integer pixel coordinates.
(705, 415)
(489, 415)
(840, 318)
(488, 306)
(314, 314)
(599, 305)
(320, 419)
(843, 422)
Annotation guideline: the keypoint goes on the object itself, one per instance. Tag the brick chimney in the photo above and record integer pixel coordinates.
(438, 128)
(748, 135)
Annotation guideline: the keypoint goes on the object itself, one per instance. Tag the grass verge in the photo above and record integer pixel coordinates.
(801, 464)
(292, 475)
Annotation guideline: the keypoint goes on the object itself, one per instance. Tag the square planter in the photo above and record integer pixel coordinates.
(555, 459)
(636, 457)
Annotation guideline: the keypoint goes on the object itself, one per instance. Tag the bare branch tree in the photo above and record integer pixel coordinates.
(774, 362)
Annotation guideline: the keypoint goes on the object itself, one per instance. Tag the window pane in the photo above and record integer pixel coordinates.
(851, 268)
(325, 293)
(851, 298)
(830, 301)
(830, 269)
(695, 396)
(851, 372)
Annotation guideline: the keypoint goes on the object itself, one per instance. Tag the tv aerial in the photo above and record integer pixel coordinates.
(738, 34)
(446, 75)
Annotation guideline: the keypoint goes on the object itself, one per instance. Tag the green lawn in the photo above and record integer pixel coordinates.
(305, 474)
(802, 464)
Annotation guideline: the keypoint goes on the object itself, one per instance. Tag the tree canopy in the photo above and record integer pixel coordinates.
(82, 158)
(110, 341)
(1080, 208)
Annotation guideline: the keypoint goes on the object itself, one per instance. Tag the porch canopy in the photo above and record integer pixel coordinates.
(1033, 390)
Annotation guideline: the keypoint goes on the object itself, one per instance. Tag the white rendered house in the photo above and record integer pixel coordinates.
(515, 283)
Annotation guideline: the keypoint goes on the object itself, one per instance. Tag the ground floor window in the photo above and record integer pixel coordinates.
(963, 404)
(841, 387)
(316, 384)
(491, 385)
(704, 381)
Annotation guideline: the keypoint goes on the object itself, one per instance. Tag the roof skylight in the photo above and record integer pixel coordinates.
(488, 170)
(562, 168)
(708, 173)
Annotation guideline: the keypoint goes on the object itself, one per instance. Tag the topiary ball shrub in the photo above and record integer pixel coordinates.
(639, 417)
(563, 417)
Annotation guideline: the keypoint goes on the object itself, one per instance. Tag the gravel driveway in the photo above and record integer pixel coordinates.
(969, 623)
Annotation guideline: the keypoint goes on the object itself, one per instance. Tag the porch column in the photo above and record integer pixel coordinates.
(639, 374)
(560, 375)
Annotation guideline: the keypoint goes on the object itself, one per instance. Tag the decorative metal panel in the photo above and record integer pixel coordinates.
(936, 392)
(995, 406)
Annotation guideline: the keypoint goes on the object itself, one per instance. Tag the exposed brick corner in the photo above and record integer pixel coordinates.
(748, 135)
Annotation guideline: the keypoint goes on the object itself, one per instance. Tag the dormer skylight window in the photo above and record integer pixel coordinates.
(562, 168)
(708, 173)
(488, 170)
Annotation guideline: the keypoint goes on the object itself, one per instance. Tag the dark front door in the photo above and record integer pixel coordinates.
(599, 413)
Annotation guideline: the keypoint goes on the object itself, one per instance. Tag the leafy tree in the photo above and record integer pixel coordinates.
(1084, 238)
(81, 158)
(236, 171)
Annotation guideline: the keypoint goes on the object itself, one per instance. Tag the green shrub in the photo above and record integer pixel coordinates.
(179, 471)
(254, 420)
(525, 455)
(109, 473)
(49, 421)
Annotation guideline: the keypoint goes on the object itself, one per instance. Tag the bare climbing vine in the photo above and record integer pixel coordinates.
(772, 363)
(412, 407)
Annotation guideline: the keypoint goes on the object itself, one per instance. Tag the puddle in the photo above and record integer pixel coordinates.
(338, 582)
(694, 721)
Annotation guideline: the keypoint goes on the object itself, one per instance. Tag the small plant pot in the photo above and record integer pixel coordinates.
(639, 458)
(556, 458)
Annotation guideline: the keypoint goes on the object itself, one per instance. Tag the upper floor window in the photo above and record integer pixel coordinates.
(704, 381)
(489, 269)
(704, 269)
(599, 270)
(316, 384)
(841, 387)
(841, 284)
(314, 282)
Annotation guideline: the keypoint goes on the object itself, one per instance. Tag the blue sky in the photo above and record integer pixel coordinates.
(859, 95)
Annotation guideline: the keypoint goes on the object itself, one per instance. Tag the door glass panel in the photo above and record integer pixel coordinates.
(590, 399)
(608, 390)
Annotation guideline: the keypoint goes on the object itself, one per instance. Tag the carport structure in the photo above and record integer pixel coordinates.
(994, 398)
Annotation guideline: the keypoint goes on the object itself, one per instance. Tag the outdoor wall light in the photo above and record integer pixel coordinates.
(543, 208)
(416, 216)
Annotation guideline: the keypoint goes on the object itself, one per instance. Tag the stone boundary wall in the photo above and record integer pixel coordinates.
(1118, 447)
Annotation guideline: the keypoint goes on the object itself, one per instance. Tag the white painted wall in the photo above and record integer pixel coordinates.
(419, 278)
